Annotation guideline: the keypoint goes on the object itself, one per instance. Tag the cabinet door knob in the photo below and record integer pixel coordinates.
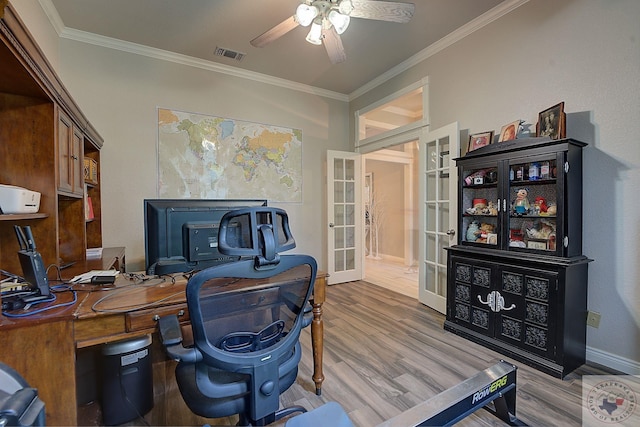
(451, 232)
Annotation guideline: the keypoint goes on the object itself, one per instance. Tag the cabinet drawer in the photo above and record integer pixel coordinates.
(146, 319)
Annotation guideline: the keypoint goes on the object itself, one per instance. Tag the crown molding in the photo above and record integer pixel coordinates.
(111, 43)
(82, 36)
(137, 49)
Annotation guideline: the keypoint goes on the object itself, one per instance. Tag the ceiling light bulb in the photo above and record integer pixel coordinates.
(346, 7)
(315, 34)
(305, 14)
(340, 22)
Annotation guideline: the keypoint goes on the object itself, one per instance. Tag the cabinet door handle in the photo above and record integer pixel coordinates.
(491, 301)
(500, 303)
(495, 301)
(451, 232)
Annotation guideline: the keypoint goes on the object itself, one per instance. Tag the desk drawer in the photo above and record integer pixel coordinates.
(146, 319)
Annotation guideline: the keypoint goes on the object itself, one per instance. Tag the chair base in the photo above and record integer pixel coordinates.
(329, 414)
(284, 412)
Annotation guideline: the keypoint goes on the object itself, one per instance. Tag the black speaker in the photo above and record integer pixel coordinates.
(33, 270)
(31, 261)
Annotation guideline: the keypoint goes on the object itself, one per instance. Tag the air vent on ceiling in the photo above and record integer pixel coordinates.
(228, 53)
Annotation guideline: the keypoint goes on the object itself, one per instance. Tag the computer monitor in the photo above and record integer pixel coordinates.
(182, 234)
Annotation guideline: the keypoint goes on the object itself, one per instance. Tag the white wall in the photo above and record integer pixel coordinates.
(587, 54)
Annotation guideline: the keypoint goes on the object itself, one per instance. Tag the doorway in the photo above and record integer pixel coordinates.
(388, 136)
(391, 218)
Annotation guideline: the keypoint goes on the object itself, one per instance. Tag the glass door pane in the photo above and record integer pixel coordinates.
(480, 205)
(532, 210)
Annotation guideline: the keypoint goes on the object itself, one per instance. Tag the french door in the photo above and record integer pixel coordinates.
(438, 208)
(344, 215)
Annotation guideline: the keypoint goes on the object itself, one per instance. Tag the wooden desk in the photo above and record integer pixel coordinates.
(43, 347)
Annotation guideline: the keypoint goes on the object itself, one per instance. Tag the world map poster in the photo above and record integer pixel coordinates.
(208, 157)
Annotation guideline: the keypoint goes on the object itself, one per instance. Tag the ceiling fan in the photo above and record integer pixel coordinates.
(330, 18)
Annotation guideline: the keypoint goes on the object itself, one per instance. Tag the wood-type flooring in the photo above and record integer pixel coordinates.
(384, 353)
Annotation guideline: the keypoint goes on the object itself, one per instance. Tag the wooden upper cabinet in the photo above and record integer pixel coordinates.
(70, 145)
(44, 137)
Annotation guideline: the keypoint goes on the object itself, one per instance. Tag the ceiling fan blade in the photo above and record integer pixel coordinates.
(382, 10)
(333, 44)
(276, 32)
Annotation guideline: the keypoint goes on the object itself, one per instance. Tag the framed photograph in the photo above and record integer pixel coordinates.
(509, 131)
(552, 122)
(478, 140)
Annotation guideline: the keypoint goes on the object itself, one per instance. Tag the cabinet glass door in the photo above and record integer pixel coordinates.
(479, 205)
(532, 205)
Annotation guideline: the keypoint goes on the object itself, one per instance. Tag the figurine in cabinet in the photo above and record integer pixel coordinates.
(521, 204)
(492, 209)
(540, 205)
(473, 231)
(541, 229)
(484, 232)
(552, 209)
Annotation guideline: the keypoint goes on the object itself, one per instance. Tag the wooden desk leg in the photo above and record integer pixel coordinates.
(317, 338)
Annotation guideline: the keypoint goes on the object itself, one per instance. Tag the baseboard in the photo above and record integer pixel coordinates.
(628, 366)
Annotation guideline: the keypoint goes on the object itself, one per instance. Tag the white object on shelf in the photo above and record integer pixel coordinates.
(18, 200)
(94, 253)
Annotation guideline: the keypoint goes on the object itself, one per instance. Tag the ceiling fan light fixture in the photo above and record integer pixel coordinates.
(339, 21)
(305, 14)
(315, 34)
(345, 7)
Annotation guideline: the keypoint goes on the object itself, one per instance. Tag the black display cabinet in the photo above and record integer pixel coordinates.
(517, 279)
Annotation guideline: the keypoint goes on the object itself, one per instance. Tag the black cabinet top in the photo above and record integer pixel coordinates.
(521, 144)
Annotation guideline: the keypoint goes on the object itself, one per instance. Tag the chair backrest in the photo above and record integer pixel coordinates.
(239, 314)
(246, 316)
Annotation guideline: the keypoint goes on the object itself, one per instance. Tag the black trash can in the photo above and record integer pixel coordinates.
(127, 380)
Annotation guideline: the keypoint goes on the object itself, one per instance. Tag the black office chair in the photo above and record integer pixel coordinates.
(246, 318)
(19, 403)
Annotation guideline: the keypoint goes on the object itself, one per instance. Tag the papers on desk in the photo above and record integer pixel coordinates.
(86, 277)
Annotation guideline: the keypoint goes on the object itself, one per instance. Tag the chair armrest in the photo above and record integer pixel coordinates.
(171, 337)
(170, 332)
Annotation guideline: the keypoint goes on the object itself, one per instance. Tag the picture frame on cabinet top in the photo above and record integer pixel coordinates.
(509, 131)
(478, 140)
(552, 122)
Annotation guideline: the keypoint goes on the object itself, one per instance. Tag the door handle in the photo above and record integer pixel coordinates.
(451, 232)
(331, 225)
(495, 301)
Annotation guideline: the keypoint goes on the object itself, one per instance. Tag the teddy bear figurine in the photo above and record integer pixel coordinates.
(484, 231)
(521, 204)
(492, 209)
